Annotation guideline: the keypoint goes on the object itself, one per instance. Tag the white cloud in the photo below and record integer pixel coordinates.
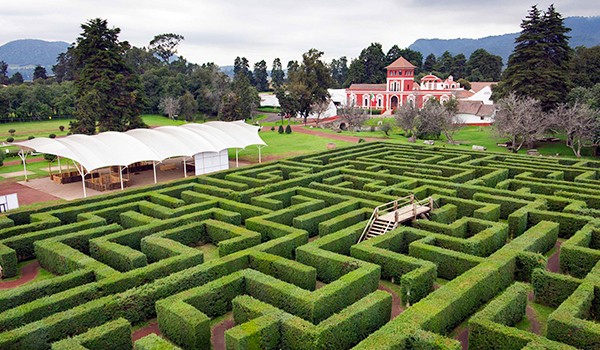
(218, 31)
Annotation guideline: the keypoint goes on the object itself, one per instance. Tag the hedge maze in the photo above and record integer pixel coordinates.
(289, 271)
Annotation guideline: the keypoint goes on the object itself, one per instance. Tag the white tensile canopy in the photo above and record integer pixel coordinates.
(156, 145)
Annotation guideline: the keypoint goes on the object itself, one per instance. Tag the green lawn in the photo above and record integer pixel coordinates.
(469, 136)
(285, 145)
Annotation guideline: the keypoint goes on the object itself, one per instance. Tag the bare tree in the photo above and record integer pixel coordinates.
(521, 119)
(450, 122)
(170, 106)
(432, 119)
(407, 117)
(579, 122)
(353, 116)
(318, 109)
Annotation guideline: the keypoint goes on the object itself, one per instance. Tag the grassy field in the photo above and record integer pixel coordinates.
(467, 136)
(288, 145)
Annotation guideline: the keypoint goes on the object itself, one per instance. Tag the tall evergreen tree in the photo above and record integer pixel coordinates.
(3, 73)
(483, 66)
(277, 73)
(339, 71)
(108, 92)
(374, 61)
(356, 72)
(459, 66)
(241, 66)
(39, 73)
(538, 67)
(260, 76)
(430, 63)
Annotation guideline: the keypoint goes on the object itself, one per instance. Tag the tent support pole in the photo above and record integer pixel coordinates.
(59, 167)
(82, 177)
(237, 165)
(121, 177)
(154, 170)
(184, 169)
(23, 156)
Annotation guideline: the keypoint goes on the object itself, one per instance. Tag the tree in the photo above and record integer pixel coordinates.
(277, 74)
(459, 66)
(444, 63)
(580, 124)
(260, 76)
(407, 117)
(319, 109)
(288, 103)
(309, 82)
(165, 45)
(430, 63)
(241, 66)
(374, 61)
(521, 119)
(356, 72)
(449, 121)
(39, 73)
(65, 69)
(431, 120)
(539, 65)
(240, 101)
(339, 71)
(170, 106)
(188, 106)
(3, 73)
(16, 79)
(107, 90)
(483, 66)
(585, 66)
(353, 116)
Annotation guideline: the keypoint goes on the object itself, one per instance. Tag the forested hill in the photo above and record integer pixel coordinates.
(585, 31)
(23, 55)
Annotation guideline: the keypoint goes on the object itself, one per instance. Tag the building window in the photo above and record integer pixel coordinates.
(366, 101)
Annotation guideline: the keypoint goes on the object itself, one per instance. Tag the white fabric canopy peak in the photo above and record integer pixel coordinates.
(122, 149)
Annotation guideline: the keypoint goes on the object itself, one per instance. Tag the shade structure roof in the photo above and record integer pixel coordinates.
(125, 148)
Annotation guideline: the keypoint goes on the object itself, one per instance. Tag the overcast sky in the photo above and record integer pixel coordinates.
(218, 31)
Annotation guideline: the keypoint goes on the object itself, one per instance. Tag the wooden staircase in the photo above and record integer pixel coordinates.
(388, 216)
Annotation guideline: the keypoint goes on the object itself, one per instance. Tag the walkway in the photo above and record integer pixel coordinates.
(28, 273)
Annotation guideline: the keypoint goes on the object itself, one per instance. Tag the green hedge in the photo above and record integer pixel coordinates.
(154, 342)
(11, 298)
(112, 335)
(580, 253)
(551, 288)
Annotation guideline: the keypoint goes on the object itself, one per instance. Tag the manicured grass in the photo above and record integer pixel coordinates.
(40, 169)
(467, 137)
(285, 145)
(211, 251)
(269, 109)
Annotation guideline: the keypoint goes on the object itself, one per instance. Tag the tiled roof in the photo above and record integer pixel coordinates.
(368, 87)
(475, 108)
(401, 62)
(478, 85)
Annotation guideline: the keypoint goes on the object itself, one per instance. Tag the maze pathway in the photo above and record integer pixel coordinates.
(274, 245)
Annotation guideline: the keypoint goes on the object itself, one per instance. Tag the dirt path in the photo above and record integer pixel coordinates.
(532, 316)
(152, 327)
(217, 337)
(28, 273)
(463, 338)
(553, 264)
(339, 137)
(397, 308)
(26, 195)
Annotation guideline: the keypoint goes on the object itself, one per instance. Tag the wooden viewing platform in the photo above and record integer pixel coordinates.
(387, 217)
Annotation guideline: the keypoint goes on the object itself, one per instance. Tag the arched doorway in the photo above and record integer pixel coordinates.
(394, 102)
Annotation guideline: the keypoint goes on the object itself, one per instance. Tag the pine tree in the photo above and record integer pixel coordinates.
(538, 67)
(108, 92)
(277, 74)
(429, 64)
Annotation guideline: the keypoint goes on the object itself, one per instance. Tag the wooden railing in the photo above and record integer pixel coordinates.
(393, 206)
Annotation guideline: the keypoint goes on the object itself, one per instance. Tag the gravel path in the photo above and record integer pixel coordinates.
(28, 273)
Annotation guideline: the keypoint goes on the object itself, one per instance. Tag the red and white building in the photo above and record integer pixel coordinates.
(400, 88)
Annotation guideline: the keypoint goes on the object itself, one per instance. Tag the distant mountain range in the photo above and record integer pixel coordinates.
(23, 55)
(585, 31)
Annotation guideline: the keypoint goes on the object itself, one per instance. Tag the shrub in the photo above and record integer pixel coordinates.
(31, 137)
(273, 128)
(52, 136)
(12, 132)
(288, 129)
(61, 128)
(280, 129)
(10, 139)
(361, 140)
